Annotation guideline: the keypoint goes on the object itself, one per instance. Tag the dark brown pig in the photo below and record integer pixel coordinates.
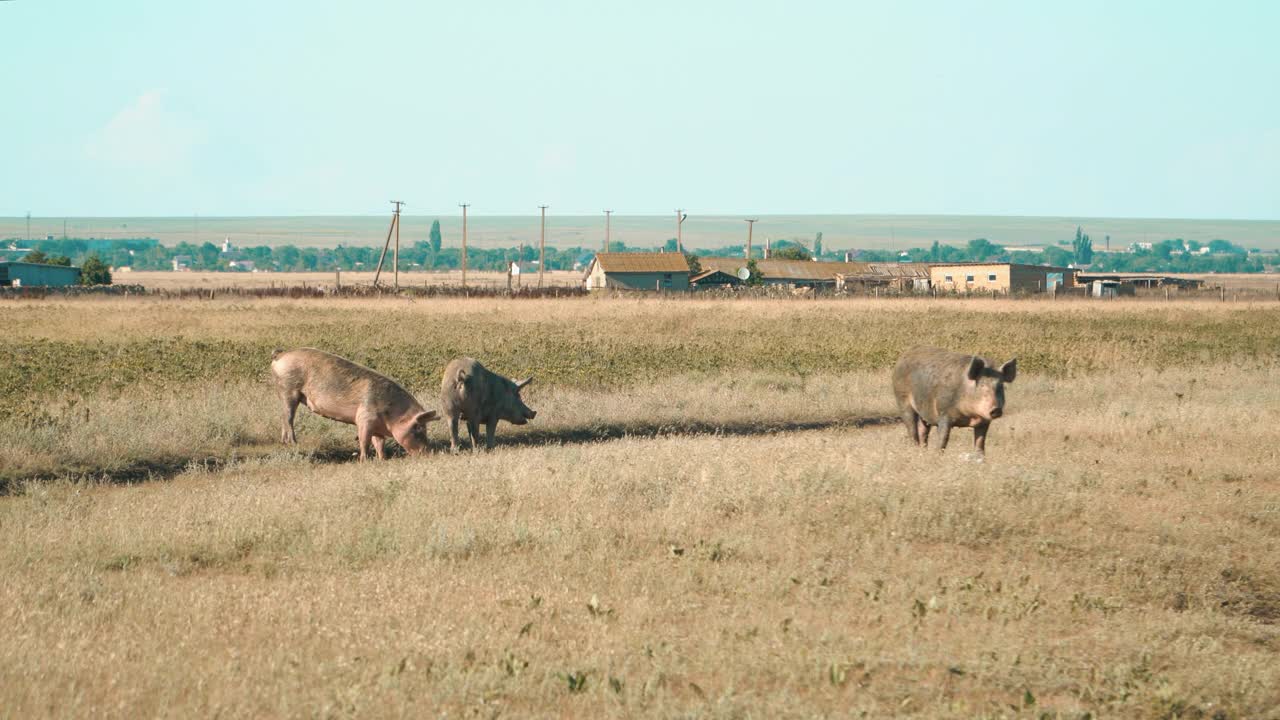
(341, 390)
(948, 389)
(470, 392)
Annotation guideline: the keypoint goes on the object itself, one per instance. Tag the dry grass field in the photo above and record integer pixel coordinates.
(153, 280)
(711, 516)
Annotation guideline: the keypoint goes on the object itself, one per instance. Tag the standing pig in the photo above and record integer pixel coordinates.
(471, 392)
(947, 389)
(341, 390)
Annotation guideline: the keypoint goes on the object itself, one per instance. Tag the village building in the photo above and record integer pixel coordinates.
(23, 274)
(902, 277)
(798, 273)
(638, 271)
(1000, 278)
(708, 279)
(1142, 280)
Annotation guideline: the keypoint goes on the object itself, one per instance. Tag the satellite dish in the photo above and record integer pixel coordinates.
(744, 274)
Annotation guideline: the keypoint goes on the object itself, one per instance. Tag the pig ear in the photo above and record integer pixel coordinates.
(975, 368)
(425, 417)
(520, 384)
(1009, 370)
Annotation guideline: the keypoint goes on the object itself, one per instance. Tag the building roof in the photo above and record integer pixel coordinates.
(39, 265)
(705, 274)
(988, 264)
(787, 270)
(643, 262)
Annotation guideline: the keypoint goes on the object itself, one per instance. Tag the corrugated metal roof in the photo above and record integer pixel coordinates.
(991, 264)
(643, 262)
(708, 273)
(792, 270)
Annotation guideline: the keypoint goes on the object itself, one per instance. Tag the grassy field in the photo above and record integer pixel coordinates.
(185, 280)
(701, 230)
(712, 515)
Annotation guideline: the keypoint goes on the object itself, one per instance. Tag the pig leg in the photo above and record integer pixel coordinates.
(377, 446)
(923, 429)
(287, 435)
(473, 429)
(944, 432)
(489, 429)
(980, 438)
(364, 433)
(453, 434)
(912, 421)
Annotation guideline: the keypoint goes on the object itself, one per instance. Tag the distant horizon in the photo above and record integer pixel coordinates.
(704, 231)
(615, 215)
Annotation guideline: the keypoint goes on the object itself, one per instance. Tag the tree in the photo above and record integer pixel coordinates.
(1223, 246)
(817, 245)
(792, 252)
(671, 245)
(209, 255)
(1082, 248)
(935, 252)
(36, 256)
(1056, 256)
(753, 274)
(94, 272)
(981, 249)
(695, 266)
(61, 260)
(435, 238)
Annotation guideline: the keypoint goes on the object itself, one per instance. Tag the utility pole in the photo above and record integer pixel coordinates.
(607, 213)
(680, 218)
(751, 223)
(28, 227)
(464, 207)
(542, 245)
(395, 259)
(394, 227)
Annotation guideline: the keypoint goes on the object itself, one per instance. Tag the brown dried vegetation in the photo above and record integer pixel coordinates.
(740, 536)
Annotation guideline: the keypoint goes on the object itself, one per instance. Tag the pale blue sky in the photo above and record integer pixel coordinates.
(150, 107)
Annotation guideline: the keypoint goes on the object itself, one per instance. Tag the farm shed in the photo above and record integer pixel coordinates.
(801, 273)
(903, 277)
(21, 274)
(1144, 280)
(1000, 277)
(713, 279)
(637, 271)
(1110, 288)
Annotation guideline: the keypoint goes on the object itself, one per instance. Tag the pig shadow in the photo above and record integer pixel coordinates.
(164, 469)
(601, 432)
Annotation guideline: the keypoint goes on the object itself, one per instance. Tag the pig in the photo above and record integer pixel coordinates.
(473, 393)
(338, 389)
(949, 389)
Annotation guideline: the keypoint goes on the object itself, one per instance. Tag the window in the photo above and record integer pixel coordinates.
(948, 278)
(991, 277)
(666, 280)
(968, 278)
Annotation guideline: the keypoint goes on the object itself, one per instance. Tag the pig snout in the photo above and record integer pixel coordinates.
(996, 412)
(530, 414)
